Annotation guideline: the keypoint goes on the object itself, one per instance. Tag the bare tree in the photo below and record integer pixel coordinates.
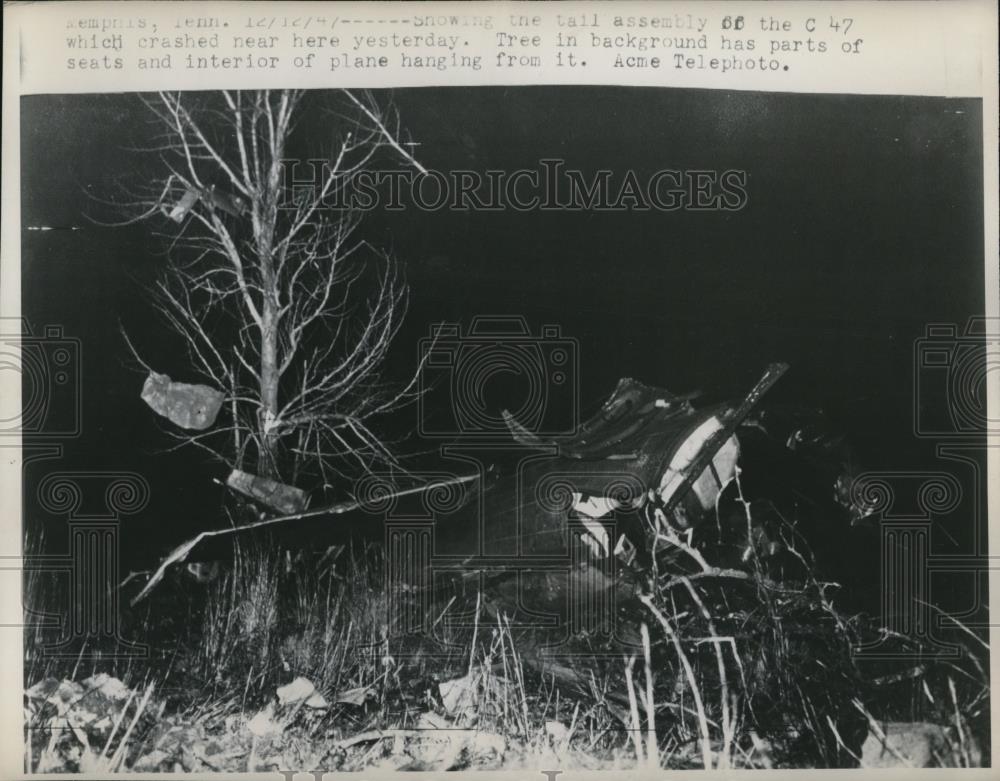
(279, 303)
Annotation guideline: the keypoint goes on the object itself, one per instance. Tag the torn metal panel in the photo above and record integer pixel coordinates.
(188, 406)
(620, 428)
(657, 441)
(276, 495)
(709, 483)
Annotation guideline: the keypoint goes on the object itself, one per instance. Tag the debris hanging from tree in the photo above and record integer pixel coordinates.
(277, 496)
(183, 206)
(188, 406)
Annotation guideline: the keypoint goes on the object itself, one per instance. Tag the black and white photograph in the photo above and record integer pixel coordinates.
(544, 429)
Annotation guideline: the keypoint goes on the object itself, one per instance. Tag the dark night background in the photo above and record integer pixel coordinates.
(864, 223)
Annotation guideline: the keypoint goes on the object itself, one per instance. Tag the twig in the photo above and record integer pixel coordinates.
(840, 740)
(117, 724)
(635, 730)
(958, 722)
(706, 746)
(652, 752)
(727, 723)
(475, 633)
(366, 737)
(119, 754)
(385, 133)
(880, 733)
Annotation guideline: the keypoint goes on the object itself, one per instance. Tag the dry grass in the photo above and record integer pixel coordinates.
(730, 669)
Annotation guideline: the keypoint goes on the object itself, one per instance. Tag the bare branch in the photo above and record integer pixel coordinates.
(390, 139)
(272, 299)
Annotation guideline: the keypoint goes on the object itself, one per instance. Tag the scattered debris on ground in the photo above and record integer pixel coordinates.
(673, 544)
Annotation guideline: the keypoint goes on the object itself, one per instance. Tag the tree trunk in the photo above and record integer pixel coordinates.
(268, 390)
(269, 373)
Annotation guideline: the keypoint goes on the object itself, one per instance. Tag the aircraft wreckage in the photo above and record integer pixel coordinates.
(575, 520)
